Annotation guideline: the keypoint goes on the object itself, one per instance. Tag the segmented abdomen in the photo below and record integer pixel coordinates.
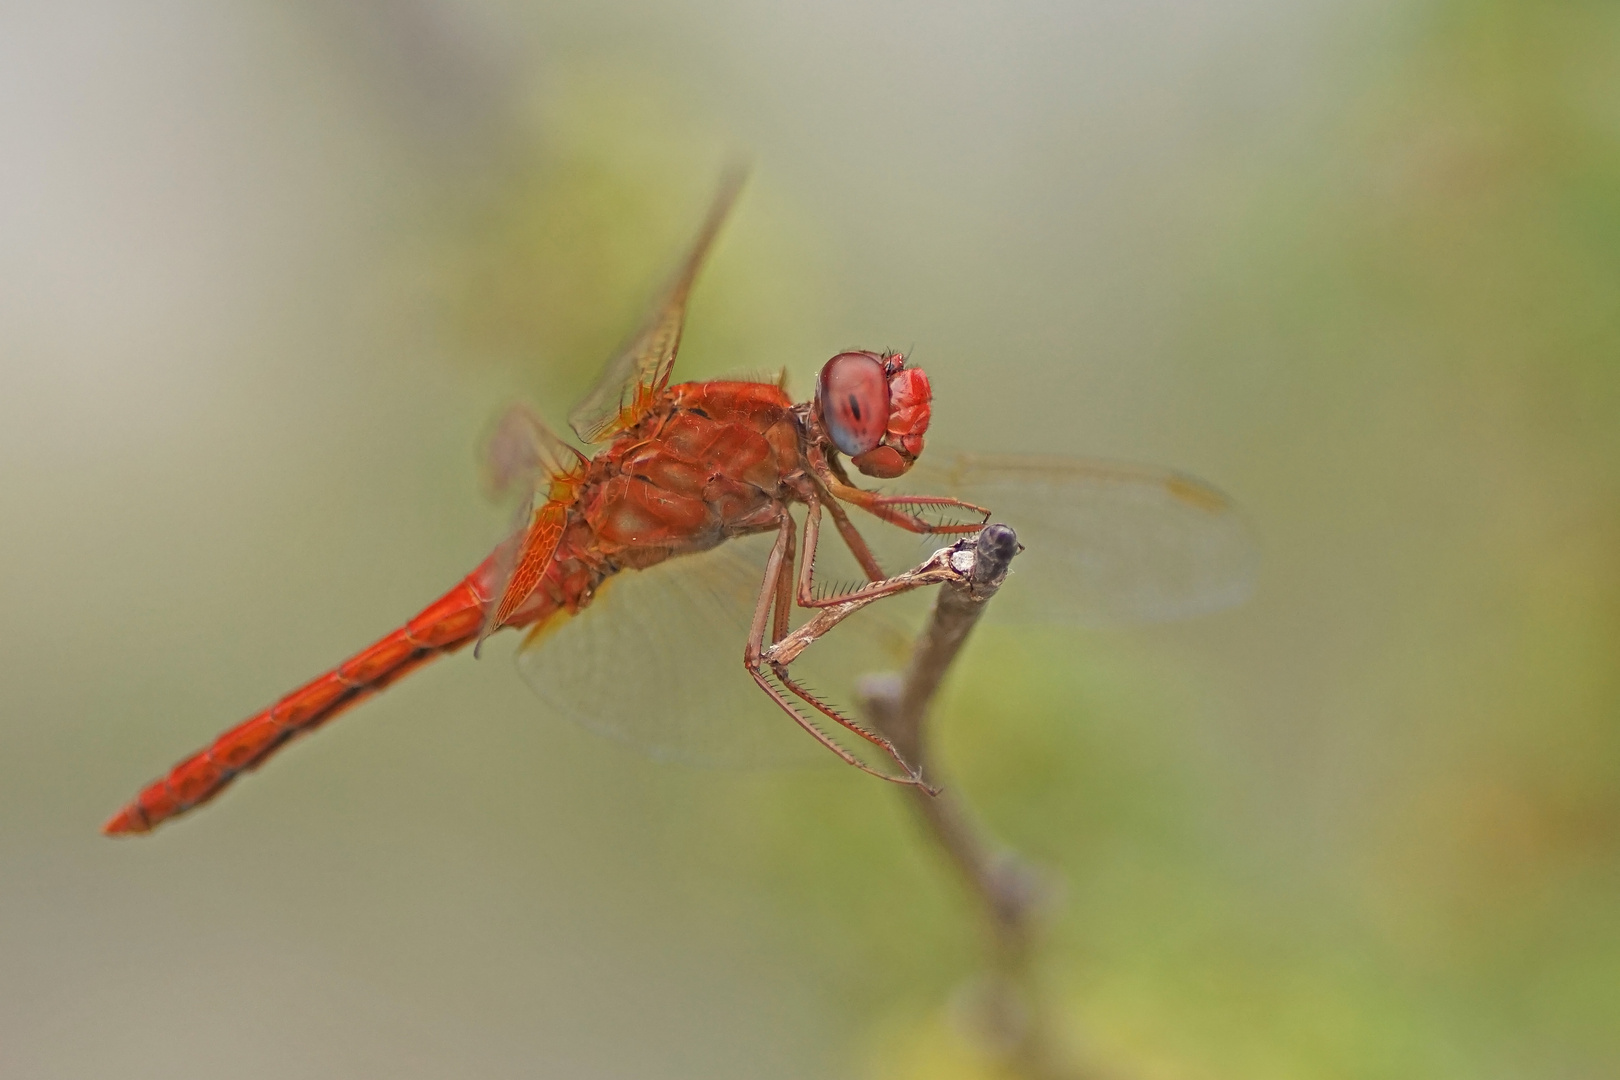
(444, 626)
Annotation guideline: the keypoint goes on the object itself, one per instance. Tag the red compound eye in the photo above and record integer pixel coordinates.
(854, 396)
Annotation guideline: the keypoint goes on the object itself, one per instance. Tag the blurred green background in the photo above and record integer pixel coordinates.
(268, 270)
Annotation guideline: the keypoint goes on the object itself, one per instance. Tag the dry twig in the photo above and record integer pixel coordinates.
(1010, 893)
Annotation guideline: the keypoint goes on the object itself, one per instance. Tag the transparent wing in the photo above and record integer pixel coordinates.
(522, 453)
(656, 662)
(1106, 543)
(642, 367)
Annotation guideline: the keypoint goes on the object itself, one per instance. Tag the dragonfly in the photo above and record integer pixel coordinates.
(687, 510)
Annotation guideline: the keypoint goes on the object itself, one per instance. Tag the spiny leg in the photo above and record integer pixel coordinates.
(879, 586)
(912, 775)
(767, 591)
(773, 593)
(812, 534)
(782, 603)
(806, 595)
(806, 598)
(890, 508)
(855, 542)
(807, 564)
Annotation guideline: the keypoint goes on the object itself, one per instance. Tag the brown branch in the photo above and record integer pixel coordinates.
(1010, 893)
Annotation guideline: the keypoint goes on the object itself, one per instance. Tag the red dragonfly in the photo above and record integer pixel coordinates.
(694, 470)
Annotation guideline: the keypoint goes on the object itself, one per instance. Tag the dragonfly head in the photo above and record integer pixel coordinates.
(874, 409)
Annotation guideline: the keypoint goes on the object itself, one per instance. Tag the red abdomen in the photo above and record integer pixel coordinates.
(444, 626)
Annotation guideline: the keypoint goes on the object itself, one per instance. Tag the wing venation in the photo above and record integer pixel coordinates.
(1106, 543)
(642, 368)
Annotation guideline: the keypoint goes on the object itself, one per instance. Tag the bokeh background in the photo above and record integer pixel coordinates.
(268, 270)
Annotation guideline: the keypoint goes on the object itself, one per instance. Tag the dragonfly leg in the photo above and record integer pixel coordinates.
(855, 542)
(807, 565)
(806, 595)
(768, 591)
(897, 510)
(900, 510)
(912, 775)
(879, 585)
(782, 603)
(911, 778)
(775, 592)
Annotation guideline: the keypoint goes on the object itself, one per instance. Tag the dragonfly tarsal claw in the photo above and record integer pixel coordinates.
(910, 776)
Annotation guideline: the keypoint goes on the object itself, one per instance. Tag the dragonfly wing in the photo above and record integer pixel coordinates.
(643, 366)
(522, 453)
(656, 662)
(1106, 543)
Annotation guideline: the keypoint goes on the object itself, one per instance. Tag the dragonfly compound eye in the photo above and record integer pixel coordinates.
(853, 392)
